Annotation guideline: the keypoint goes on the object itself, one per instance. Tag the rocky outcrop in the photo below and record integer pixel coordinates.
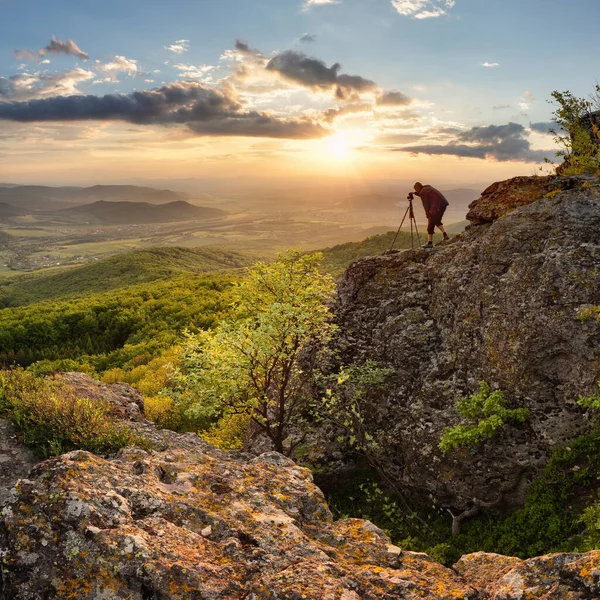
(197, 524)
(187, 521)
(499, 305)
(201, 524)
(551, 577)
(503, 197)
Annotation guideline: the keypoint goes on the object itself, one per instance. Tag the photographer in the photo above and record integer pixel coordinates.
(435, 205)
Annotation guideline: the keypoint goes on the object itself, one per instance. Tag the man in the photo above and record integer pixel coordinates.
(435, 206)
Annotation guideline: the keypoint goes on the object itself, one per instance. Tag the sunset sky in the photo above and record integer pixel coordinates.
(105, 91)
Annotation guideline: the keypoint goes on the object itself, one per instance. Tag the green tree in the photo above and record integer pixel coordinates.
(251, 364)
(580, 143)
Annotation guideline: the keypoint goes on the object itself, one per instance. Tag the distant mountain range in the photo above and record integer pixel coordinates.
(129, 213)
(41, 197)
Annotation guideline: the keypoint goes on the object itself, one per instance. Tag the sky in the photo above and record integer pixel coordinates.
(104, 91)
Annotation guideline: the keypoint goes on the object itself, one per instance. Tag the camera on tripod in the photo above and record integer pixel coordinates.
(410, 196)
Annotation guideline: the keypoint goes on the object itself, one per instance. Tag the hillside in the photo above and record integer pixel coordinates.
(8, 210)
(40, 197)
(117, 272)
(103, 212)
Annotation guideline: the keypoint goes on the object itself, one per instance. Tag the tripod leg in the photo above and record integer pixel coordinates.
(399, 228)
(418, 237)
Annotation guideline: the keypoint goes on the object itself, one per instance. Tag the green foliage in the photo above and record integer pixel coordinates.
(250, 364)
(110, 330)
(229, 433)
(488, 411)
(591, 520)
(592, 401)
(561, 513)
(343, 403)
(53, 419)
(580, 149)
(117, 273)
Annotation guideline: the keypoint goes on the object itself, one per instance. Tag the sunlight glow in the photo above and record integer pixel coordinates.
(339, 145)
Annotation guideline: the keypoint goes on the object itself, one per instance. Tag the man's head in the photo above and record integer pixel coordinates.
(418, 187)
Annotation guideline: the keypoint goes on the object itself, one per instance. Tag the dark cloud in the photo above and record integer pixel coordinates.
(393, 99)
(203, 110)
(257, 125)
(307, 38)
(243, 48)
(59, 47)
(544, 127)
(499, 142)
(315, 74)
(54, 47)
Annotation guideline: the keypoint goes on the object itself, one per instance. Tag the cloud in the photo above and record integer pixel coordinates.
(244, 49)
(423, 9)
(499, 142)
(54, 47)
(489, 65)
(544, 127)
(179, 47)
(194, 72)
(501, 107)
(205, 111)
(41, 84)
(315, 74)
(59, 47)
(309, 3)
(393, 99)
(308, 38)
(119, 64)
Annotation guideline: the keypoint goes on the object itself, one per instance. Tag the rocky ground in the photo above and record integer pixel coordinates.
(187, 521)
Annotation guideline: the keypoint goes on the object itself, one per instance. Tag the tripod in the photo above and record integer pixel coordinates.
(410, 213)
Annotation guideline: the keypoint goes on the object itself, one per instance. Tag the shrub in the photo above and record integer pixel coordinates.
(229, 433)
(487, 410)
(52, 419)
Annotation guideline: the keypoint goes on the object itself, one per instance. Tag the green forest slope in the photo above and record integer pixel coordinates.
(117, 273)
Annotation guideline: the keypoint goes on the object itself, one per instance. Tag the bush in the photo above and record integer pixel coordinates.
(52, 419)
(229, 433)
(487, 410)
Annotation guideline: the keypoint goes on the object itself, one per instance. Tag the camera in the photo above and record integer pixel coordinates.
(410, 196)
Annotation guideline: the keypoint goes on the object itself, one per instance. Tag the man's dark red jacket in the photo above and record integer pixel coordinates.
(433, 200)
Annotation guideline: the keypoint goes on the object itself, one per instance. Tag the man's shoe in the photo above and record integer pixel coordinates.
(428, 245)
(446, 237)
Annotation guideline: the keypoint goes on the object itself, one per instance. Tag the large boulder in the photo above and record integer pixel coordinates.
(501, 305)
(197, 524)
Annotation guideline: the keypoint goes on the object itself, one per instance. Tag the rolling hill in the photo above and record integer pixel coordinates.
(41, 197)
(117, 272)
(130, 213)
(8, 211)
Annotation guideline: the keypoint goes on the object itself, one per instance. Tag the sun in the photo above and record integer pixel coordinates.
(339, 145)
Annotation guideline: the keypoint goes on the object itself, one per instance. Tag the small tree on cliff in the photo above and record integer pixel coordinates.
(251, 365)
(579, 135)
